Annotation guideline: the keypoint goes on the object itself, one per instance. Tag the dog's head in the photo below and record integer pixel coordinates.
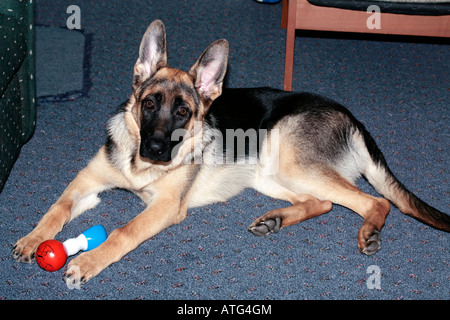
(168, 99)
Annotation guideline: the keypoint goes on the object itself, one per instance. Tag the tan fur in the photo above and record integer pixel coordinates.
(305, 207)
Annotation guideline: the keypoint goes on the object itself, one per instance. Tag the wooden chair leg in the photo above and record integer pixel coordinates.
(290, 42)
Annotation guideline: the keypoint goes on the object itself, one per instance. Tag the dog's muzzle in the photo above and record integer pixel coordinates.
(156, 149)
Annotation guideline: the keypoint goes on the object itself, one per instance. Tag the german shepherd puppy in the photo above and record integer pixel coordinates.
(173, 143)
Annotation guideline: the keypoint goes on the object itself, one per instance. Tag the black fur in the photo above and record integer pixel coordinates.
(326, 124)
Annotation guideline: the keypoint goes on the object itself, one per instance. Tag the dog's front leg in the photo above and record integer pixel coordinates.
(162, 213)
(80, 195)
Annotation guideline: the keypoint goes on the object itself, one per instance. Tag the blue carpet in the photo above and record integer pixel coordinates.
(62, 64)
(399, 90)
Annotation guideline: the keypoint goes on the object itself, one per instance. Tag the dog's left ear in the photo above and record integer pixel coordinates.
(152, 53)
(210, 69)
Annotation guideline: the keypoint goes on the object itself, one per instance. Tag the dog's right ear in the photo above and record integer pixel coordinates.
(152, 53)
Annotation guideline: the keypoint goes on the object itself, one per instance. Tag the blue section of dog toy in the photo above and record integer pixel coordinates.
(95, 236)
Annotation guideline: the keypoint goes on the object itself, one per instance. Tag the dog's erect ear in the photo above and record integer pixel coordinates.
(152, 52)
(210, 69)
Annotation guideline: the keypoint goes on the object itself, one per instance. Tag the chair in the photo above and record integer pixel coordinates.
(304, 15)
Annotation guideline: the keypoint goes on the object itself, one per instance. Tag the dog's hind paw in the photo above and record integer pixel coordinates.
(264, 228)
(372, 244)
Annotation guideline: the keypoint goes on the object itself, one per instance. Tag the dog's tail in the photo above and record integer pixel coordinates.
(383, 180)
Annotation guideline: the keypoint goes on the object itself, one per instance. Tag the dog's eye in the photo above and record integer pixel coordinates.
(148, 104)
(183, 111)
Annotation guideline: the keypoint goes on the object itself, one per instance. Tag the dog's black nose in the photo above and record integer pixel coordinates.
(156, 146)
(156, 149)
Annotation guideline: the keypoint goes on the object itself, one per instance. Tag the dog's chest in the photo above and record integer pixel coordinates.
(219, 183)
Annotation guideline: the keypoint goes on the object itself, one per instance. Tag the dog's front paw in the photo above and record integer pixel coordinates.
(80, 270)
(264, 228)
(25, 249)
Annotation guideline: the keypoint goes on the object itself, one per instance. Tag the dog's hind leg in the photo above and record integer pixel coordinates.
(321, 182)
(333, 187)
(270, 180)
(304, 207)
(79, 196)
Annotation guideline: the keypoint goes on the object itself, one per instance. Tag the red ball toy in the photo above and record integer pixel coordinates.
(51, 255)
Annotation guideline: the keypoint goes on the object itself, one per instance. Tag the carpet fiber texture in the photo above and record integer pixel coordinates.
(398, 89)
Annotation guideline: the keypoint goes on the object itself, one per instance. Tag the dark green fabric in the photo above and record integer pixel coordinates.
(12, 50)
(17, 81)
